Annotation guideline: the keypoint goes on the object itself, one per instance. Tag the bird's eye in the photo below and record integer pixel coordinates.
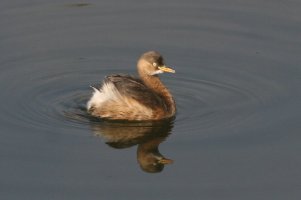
(155, 64)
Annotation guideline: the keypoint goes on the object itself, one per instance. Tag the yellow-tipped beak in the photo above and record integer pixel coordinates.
(166, 69)
(165, 161)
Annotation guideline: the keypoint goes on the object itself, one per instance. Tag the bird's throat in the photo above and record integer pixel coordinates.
(155, 84)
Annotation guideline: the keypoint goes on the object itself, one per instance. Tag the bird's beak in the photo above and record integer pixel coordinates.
(166, 69)
(165, 161)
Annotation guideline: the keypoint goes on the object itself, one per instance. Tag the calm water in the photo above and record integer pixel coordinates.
(237, 87)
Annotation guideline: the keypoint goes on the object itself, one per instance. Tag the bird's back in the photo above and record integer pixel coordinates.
(126, 98)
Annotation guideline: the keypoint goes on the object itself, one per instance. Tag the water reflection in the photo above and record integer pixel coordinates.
(147, 135)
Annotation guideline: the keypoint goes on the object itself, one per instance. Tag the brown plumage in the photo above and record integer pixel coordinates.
(123, 97)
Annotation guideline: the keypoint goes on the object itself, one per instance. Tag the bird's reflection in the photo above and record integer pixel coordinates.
(147, 135)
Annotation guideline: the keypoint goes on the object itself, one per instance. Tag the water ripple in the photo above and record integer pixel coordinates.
(206, 104)
(48, 101)
(57, 100)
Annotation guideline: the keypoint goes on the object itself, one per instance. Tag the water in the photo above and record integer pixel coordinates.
(237, 87)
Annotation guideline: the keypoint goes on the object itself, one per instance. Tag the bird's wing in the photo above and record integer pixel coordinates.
(134, 88)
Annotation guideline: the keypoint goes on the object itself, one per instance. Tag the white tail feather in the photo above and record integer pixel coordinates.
(107, 92)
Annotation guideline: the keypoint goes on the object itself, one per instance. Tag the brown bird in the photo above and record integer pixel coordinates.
(123, 97)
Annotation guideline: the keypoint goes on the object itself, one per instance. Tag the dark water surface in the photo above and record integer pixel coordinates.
(237, 87)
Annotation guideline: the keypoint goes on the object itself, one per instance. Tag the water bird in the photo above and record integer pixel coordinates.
(123, 97)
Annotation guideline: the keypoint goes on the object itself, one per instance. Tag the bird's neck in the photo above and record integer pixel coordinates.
(155, 84)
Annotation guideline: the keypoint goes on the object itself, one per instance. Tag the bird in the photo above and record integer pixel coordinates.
(124, 97)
